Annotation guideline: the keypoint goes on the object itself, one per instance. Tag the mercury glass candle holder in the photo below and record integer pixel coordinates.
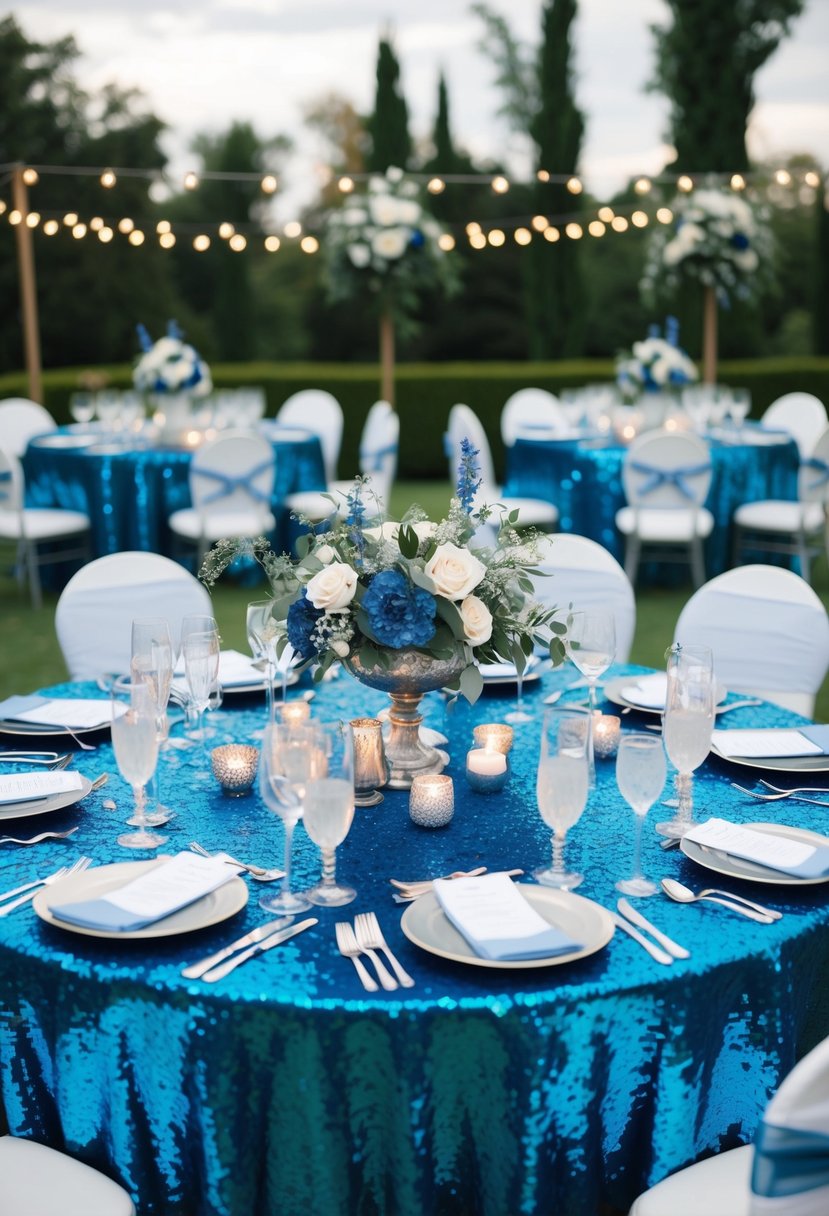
(234, 767)
(294, 713)
(431, 800)
(606, 732)
(495, 736)
(486, 770)
(371, 768)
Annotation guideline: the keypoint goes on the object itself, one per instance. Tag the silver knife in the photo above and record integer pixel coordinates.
(653, 951)
(275, 939)
(669, 944)
(196, 970)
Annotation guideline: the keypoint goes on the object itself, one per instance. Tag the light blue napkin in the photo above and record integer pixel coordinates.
(475, 906)
(12, 707)
(819, 735)
(101, 914)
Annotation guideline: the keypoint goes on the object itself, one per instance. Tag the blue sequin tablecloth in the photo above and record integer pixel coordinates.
(584, 480)
(285, 1089)
(130, 492)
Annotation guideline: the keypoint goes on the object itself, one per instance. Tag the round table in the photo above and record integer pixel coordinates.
(129, 492)
(285, 1088)
(583, 477)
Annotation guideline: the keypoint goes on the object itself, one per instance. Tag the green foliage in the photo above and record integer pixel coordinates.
(388, 126)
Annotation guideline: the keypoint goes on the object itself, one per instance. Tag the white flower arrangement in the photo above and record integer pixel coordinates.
(656, 364)
(170, 366)
(717, 238)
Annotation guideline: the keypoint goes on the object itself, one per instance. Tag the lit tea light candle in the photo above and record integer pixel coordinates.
(486, 770)
(431, 800)
(494, 736)
(370, 765)
(606, 731)
(234, 767)
(294, 713)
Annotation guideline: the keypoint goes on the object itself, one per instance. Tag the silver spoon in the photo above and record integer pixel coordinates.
(684, 895)
(256, 872)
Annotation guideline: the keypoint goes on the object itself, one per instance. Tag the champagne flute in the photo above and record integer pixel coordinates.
(640, 775)
(291, 757)
(135, 742)
(519, 714)
(201, 667)
(562, 785)
(262, 634)
(329, 810)
(687, 725)
(152, 664)
(591, 647)
(197, 622)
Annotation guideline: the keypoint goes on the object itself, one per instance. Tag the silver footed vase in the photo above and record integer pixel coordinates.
(409, 675)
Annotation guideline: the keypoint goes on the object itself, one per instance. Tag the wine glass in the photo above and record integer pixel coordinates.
(135, 742)
(152, 664)
(519, 714)
(640, 775)
(262, 634)
(329, 810)
(687, 724)
(82, 407)
(562, 785)
(740, 406)
(201, 667)
(197, 622)
(291, 757)
(591, 647)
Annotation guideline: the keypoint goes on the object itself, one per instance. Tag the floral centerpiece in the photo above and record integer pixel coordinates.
(170, 365)
(656, 364)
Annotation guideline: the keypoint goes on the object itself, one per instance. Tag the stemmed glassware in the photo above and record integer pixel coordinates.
(201, 667)
(329, 810)
(198, 622)
(152, 664)
(687, 725)
(591, 647)
(135, 742)
(519, 714)
(261, 630)
(291, 758)
(562, 785)
(82, 407)
(640, 775)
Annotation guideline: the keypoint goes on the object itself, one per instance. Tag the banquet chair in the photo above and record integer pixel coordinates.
(666, 477)
(529, 413)
(20, 421)
(801, 414)
(29, 528)
(96, 608)
(319, 412)
(231, 486)
(768, 631)
(39, 1181)
(583, 573)
(785, 1172)
(377, 460)
(465, 424)
(797, 528)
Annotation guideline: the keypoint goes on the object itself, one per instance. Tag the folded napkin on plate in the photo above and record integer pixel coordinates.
(765, 849)
(773, 742)
(157, 893)
(501, 671)
(27, 787)
(496, 920)
(77, 713)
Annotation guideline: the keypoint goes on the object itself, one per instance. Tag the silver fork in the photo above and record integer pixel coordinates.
(386, 981)
(52, 764)
(81, 864)
(370, 937)
(797, 789)
(37, 839)
(348, 947)
(778, 797)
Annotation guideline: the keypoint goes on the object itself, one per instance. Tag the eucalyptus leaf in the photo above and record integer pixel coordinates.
(471, 683)
(450, 613)
(407, 542)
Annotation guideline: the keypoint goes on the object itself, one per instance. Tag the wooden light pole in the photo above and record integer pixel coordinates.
(709, 336)
(28, 289)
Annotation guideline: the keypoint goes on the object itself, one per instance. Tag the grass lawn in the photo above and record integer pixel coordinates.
(30, 657)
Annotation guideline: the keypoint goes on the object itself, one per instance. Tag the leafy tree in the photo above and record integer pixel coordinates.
(388, 126)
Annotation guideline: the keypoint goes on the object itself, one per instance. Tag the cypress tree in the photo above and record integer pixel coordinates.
(388, 126)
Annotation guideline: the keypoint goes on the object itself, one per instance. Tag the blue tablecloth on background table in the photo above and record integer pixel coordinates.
(287, 1089)
(584, 480)
(130, 493)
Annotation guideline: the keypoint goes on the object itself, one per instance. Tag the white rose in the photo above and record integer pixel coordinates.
(325, 554)
(477, 620)
(455, 572)
(359, 255)
(339, 647)
(391, 243)
(332, 589)
(386, 210)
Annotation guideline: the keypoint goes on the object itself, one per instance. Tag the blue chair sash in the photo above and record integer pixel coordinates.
(788, 1161)
(5, 476)
(228, 485)
(668, 477)
(821, 468)
(448, 446)
(371, 459)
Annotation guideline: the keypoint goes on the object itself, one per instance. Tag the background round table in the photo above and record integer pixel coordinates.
(285, 1088)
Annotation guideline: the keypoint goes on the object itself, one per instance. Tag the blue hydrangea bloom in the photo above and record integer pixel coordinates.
(739, 240)
(302, 617)
(400, 614)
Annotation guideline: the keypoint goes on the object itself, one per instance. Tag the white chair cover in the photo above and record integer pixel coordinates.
(529, 413)
(768, 631)
(20, 421)
(319, 412)
(588, 576)
(801, 414)
(39, 1181)
(378, 460)
(97, 606)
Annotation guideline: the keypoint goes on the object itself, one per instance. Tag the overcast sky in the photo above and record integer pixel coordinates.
(202, 65)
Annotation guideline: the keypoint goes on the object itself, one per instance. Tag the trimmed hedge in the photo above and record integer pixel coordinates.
(426, 392)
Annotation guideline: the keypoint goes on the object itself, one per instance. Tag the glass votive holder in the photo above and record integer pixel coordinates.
(495, 736)
(606, 731)
(294, 713)
(431, 800)
(234, 767)
(371, 768)
(486, 770)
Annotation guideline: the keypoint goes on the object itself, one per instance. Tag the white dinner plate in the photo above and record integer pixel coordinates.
(212, 908)
(613, 693)
(36, 730)
(62, 440)
(500, 677)
(55, 802)
(737, 867)
(777, 764)
(425, 923)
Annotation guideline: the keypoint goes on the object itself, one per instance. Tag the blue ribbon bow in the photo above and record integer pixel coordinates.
(668, 477)
(789, 1160)
(371, 459)
(228, 485)
(821, 467)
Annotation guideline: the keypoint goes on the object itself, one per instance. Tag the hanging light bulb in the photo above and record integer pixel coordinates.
(539, 222)
(619, 223)
(522, 236)
(79, 231)
(201, 243)
(108, 179)
(309, 244)
(70, 219)
(33, 219)
(496, 237)
(606, 214)
(136, 237)
(639, 219)
(96, 224)
(167, 240)
(472, 228)
(436, 185)
(105, 235)
(783, 177)
(31, 176)
(238, 242)
(126, 225)
(446, 242)
(738, 182)
(292, 229)
(345, 184)
(812, 179)
(226, 230)
(664, 215)
(163, 226)
(50, 228)
(596, 228)
(15, 217)
(269, 184)
(191, 181)
(642, 185)
(552, 234)
(543, 175)
(574, 185)
(685, 183)
(477, 240)
(574, 231)
(500, 184)
(272, 243)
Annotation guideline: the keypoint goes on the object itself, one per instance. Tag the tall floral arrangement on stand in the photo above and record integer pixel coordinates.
(384, 244)
(656, 364)
(717, 239)
(170, 365)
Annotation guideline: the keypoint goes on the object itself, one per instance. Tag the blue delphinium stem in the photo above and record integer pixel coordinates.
(354, 520)
(468, 476)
